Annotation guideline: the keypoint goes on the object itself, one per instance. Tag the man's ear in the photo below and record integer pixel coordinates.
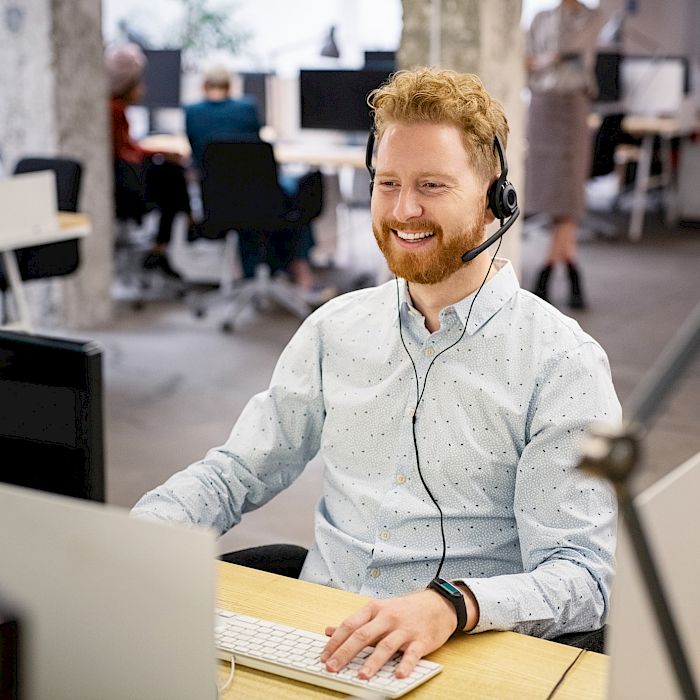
(488, 214)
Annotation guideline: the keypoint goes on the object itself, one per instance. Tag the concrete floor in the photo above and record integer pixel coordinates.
(175, 384)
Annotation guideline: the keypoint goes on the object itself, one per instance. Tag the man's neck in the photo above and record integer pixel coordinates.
(431, 299)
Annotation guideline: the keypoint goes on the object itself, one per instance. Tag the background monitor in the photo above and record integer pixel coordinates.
(654, 85)
(51, 422)
(162, 78)
(255, 85)
(381, 60)
(337, 99)
(607, 73)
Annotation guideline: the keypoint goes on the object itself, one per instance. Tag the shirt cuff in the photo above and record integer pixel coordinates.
(497, 608)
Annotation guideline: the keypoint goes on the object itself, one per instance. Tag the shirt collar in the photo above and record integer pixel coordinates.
(492, 297)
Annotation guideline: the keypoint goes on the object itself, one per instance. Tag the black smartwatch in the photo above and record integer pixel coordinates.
(454, 595)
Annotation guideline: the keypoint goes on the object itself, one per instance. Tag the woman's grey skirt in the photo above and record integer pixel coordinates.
(559, 154)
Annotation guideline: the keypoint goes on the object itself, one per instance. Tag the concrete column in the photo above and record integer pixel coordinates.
(482, 37)
(53, 102)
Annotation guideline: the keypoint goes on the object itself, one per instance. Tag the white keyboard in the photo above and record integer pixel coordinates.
(295, 653)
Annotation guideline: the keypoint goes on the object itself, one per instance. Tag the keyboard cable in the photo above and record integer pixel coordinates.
(229, 680)
(563, 675)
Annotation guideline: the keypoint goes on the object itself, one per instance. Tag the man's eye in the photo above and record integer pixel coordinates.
(388, 183)
(432, 185)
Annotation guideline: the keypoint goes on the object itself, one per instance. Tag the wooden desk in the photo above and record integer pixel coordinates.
(312, 153)
(648, 128)
(491, 665)
(320, 154)
(69, 226)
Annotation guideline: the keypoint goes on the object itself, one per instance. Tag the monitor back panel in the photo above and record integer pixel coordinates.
(29, 207)
(639, 665)
(111, 607)
(51, 420)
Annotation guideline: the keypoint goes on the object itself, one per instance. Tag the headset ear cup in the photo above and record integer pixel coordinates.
(508, 199)
(502, 198)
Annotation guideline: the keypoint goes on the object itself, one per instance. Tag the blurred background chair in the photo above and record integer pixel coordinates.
(243, 202)
(136, 218)
(52, 259)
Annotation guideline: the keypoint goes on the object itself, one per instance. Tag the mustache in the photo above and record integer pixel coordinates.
(415, 225)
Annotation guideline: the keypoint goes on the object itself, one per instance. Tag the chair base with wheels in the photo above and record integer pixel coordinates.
(242, 197)
(260, 291)
(134, 283)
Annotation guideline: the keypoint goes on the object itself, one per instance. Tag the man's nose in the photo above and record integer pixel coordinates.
(407, 205)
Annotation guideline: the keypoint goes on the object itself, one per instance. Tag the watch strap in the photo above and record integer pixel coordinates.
(452, 594)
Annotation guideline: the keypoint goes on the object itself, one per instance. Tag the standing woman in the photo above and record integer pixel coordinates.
(560, 58)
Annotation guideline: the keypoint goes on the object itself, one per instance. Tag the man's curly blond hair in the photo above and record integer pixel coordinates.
(439, 96)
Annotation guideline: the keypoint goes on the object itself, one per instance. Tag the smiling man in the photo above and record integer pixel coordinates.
(447, 405)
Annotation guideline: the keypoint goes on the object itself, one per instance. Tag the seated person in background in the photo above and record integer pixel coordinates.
(143, 179)
(447, 404)
(219, 117)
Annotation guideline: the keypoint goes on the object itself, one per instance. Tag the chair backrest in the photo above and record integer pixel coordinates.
(240, 190)
(52, 259)
(68, 176)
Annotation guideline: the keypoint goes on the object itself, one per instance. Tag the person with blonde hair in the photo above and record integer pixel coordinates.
(219, 117)
(447, 406)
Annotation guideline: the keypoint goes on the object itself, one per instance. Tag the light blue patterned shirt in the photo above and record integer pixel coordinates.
(497, 431)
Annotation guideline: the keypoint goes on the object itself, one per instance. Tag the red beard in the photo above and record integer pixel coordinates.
(427, 266)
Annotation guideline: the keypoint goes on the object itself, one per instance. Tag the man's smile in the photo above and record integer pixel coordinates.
(412, 235)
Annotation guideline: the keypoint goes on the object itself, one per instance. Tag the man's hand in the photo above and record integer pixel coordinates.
(415, 624)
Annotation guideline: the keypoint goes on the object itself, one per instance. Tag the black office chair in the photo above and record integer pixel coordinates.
(52, 259)
(591, 641)
(243, 201)
(134, 213)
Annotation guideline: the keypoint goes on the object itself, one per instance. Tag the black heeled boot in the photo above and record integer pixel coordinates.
(543, 283)
(576, 299)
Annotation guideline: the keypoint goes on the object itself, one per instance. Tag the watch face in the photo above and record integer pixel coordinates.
(448, 587)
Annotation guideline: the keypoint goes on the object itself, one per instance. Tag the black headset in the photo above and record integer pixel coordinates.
(501, 196)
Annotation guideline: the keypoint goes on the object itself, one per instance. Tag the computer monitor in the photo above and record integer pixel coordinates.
(639, 665)
(380, 60)
(337, 99)
(51, 423)
(255, 86)
(654, 86)
(108, 606)
(162, 78)
(607, 73)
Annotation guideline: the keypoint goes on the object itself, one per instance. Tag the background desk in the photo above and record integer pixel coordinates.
(491, 665)
(648, 128)
(312, 153)
(69, 226)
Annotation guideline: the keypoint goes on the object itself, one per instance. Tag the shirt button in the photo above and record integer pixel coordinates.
(374, 573)
(384, 535)
(429, 351)
(400, 478)
(409, 412)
